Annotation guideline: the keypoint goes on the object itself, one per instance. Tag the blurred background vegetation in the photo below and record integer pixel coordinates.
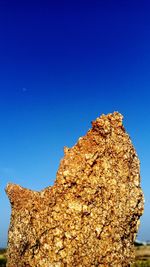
(2, 257)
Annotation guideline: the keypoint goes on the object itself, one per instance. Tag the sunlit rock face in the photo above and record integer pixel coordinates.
(91, 215)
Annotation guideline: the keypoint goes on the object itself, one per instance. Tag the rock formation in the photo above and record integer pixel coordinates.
(91, 215)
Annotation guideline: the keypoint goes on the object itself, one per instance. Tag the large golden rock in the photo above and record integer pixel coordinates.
(91, 215)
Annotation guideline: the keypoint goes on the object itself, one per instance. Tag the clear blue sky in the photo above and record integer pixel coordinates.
(62, 64)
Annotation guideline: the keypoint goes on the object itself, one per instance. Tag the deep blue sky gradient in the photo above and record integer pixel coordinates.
(62, 64)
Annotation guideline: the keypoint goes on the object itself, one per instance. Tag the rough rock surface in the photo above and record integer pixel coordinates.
(91, 214)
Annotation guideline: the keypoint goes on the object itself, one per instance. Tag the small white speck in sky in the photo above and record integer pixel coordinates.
(24, 89)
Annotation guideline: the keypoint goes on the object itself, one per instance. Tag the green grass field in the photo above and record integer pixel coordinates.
(141, 263)
(142, 256)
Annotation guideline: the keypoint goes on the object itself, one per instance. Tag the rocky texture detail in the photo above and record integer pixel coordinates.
(91, 214)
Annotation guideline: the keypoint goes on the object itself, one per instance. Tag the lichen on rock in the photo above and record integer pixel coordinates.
(90, 216)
